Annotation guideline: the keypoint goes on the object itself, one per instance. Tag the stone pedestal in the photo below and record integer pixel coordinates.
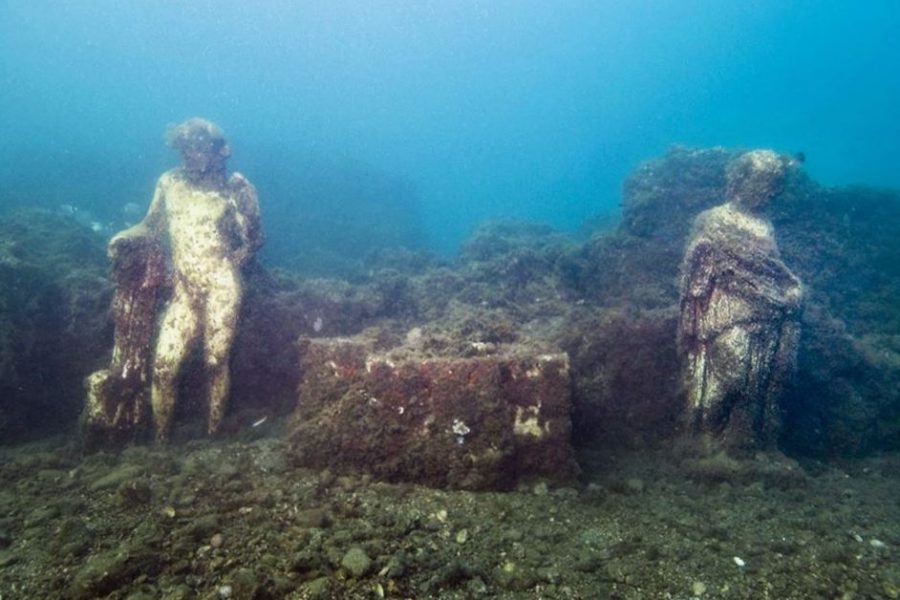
(487, 421)
(117, 408)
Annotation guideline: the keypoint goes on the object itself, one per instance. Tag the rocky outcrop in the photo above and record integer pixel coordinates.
(54, 330)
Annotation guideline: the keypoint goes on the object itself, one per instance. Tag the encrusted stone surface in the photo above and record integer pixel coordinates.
(117, 407)
(487, 421)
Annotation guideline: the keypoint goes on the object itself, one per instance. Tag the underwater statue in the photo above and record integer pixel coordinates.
(206, 227)
(740, 309)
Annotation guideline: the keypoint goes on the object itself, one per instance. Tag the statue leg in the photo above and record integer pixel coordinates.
(176, 335)
(222, 307)
(695, 383)
(780, 358)
(727, 369)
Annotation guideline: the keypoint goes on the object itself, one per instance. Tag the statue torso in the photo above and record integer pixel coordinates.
(199, 225)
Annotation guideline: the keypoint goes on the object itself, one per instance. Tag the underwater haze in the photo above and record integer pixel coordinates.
(463, 110)
(547, 306)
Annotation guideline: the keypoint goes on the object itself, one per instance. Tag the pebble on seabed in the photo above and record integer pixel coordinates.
(224, 592)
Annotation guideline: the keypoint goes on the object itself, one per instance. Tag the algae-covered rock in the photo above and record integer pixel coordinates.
(356, 562)
(625, 376)
(115, 478)
(111, 570)
(53, 318)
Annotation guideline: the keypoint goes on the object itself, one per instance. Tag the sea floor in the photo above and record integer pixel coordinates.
(232, 519)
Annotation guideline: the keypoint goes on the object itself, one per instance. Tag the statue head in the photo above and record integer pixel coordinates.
(203, 149)
(754, 178)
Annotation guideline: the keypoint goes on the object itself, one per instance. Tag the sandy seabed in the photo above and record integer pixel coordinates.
(233, 519)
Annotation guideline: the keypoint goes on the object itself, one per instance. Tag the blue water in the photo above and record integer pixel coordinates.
(528, 109)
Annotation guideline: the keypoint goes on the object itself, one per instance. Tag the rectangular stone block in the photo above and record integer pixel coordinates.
(481, 422)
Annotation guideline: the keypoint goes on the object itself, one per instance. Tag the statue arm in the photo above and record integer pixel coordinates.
(247, 217)
(150, 227)
(699, 269)
(774, 283)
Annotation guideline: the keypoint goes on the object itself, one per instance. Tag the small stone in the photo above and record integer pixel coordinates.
(395, 568)
(224, 592)
(315, 518)
(134, 492)
(201, 528)
(356, 562)
(461, 536)
(549, 575)
(634, 485)
(698, 588)
(317, 588)
(186, 500)
(116, 477)
(513, 535)
(877, 544)
(587, 562)
(540, 489)
(565, 492)
(595, 490)
(739, 561)
(306, 562)
(476, 586)
(245, 583)
(217, 540)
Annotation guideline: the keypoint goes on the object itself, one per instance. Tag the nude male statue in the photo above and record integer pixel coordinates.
(209, 225)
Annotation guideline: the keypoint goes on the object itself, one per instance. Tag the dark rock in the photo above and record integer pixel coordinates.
(625, 376)
(314, 517)
(202, 528)
(54, 327)
(135, 492)
(109, 571)
(113, 479)
(246, 584)
(72, 538)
